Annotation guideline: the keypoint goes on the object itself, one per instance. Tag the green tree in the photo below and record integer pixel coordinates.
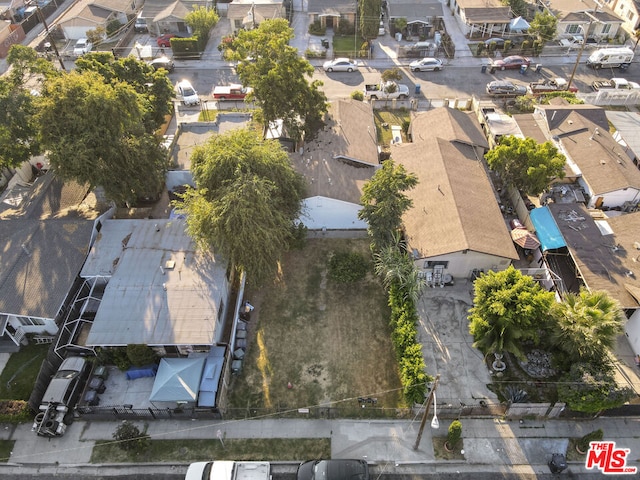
(391, 75)
(383, 202)
(94, 134)
(526, 164)
(509, 308)
(247, 200)
(369, 16)
(543, 26)
(26, 66)
(279, 77)
(518, 7)
(591, 388)
(395, 267)
(586, 326)
(18, 132)
(201, 20)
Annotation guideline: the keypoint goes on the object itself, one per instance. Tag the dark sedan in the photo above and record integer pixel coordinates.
(510, 63)
(335, 469)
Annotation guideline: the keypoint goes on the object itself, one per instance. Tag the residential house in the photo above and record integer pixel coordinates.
(600, 165)
(423, 18)
(337, 163)
(46, 231)
(455, 225)
(330, 12)
(481, 18)
(156, 289)
(627, 126)
(585, 18)
(88, 15)
(248, 14)
(167, 16)
(628, 11)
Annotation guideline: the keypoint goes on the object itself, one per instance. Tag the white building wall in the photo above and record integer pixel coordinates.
(616, 199)
(461, 265)
(632, 330)
(327, 213)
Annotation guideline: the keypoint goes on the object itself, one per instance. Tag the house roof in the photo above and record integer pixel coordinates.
(415, 10)
(94, 12)
(583, 132)
(487, 14)
(530, 127)
(147, 300)
(263, 10)
(331, 7)
(174, 11)
(603, 258)
(567, 7)
(159, 9)
(454, 205)
(627, 125)
(44, 243)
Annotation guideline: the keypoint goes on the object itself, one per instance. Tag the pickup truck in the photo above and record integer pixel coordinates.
(386, 91)
(229, 470)
(615, 83)
(231, 92)
(550, 85)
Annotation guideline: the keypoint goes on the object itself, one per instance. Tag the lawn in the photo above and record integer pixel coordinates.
(328, 342)
(389, 118)
(345, 46)
(18, 377)
(6, 447)
(271, 449)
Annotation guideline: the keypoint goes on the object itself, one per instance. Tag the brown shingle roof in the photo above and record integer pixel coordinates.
(450, 124)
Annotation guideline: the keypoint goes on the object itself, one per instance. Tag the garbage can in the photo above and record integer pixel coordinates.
(492, 70)
(523, 69)
(483, 69)
(558, 463)
(538, 68)
(417, 89)
(325, 43)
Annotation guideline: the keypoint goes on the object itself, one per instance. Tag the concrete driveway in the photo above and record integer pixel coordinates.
(446, 344)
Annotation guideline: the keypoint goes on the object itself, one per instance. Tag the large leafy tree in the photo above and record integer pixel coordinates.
(383, 202)
(279, 77)
(247, 200)
(509, 308)
(527, 165)
(586, 326)
(201, 20)
(543, 26)
(94, 134)
(591, 388)
(369, 16)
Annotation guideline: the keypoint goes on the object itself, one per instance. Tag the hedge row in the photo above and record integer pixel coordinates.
(404, 318)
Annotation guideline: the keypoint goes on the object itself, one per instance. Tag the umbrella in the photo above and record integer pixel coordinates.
(524, 238)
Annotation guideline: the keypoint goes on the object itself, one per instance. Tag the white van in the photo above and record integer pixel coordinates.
(611, 57)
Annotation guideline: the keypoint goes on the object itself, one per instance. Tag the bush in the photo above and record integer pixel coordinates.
(345, 27)
(347, 267)
(14, 411)
(454, 434)
(595, 436)
(140, 355)
(130, 438)
(317, 29)
(357, 95)
(315, 54)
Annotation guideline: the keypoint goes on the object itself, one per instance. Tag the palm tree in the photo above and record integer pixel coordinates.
(395, 267)
(587, 325)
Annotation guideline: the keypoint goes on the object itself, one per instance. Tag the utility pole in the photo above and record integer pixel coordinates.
(423, 422)
(49, 39)
(585, 33)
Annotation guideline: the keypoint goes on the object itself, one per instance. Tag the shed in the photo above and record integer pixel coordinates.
(178, 380)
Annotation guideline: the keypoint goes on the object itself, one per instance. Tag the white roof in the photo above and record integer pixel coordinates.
(161, 290)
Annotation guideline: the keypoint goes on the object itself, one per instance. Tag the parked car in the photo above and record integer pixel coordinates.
(140, 26)
(340, 65)
(503, 88)
(165, 39)
(511, 62)
(334, 469)
(82, 46)
(426, 64)
(186, 93)
(162, 62)
(498, 41)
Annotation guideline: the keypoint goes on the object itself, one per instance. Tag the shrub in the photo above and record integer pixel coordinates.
(595, 436)
(141, 355)
(130, 438)
(317, 29)
(454, 433)
(345, 27)
(315, 54)
(357, 95)
(14, 411)
(347, 267)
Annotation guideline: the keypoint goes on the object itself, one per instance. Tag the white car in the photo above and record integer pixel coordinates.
(82, 46)
(340, 65)
(426, 65)
(187, 94)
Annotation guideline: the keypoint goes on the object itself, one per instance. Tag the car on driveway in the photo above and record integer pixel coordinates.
(426, 64)
(503, 88)
(340, 65)
(498, 41)
(82, 46)
(186, 93)
(162, 62)
(334, 469)
(165, 40)
(231, 92)
(510, 63)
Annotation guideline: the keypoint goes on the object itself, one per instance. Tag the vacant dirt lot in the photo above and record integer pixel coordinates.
(330, 341)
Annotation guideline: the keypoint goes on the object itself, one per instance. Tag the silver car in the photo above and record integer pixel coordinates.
(340, 65)
(426, 65)
(502, 88)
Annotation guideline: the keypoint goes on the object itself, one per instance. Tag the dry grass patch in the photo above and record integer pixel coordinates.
(389, 118)
(330, 341)
(442, 453)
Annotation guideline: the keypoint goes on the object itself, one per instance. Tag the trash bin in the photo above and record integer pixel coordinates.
(325, 43)
(492, 70)
(483, 69)
(417, 89)
(558, 463)
(523, 69)
(538, 68)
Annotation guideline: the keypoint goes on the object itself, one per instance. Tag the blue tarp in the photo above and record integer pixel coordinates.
(211, 377)
(546, 229)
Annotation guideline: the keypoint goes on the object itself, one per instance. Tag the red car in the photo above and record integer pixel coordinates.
(165, 40)
(509, 63)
